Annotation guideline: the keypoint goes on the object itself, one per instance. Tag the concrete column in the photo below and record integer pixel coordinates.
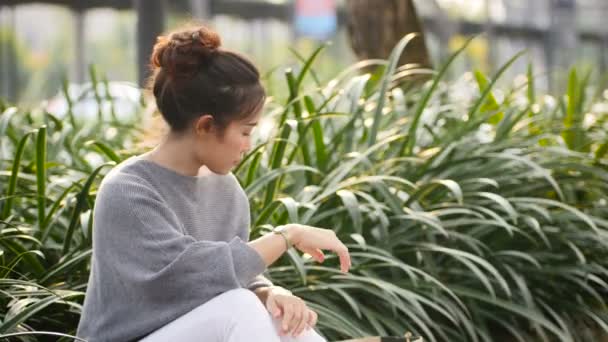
(562, 43)
(8, 55)
(201, 9)
(150, 24)
(491, 38)
(80, 65)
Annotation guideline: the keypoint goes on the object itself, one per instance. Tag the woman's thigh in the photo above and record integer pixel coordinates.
(234, 316)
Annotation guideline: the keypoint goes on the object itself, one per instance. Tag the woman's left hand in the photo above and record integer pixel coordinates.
(296, 315)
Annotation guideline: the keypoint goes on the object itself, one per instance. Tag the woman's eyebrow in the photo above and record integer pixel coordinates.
(252, 123)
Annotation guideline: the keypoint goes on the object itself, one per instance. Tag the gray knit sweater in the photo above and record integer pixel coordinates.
(163, 244)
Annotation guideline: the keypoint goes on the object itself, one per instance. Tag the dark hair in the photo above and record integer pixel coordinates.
(193, 76)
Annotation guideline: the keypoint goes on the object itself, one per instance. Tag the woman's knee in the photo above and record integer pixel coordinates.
(231, 314)
(240, 294)
(250, 306)
(247, 319)
(242, 297)
(310, 336)
(306, 335)
(244, 301)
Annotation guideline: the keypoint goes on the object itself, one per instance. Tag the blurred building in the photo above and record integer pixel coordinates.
(45, 39)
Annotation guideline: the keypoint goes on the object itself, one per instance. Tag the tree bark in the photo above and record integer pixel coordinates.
(375, 27)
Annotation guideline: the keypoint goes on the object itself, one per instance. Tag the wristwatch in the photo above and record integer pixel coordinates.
(282, 230)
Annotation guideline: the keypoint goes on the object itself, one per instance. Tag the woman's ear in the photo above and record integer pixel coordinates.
(204, 124)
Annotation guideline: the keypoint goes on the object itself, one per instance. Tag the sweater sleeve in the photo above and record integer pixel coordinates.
(140, 239)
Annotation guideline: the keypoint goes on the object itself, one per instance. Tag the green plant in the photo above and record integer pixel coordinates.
(47, 200)
(467, 220)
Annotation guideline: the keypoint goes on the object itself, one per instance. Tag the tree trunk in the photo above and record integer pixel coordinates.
(375, 27)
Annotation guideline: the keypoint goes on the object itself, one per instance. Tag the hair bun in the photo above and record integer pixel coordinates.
(184, 52)
(207, 37)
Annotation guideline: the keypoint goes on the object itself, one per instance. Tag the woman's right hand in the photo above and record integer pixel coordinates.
(313, 241)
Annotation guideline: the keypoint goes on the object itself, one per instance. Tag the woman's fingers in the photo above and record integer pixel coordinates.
(316, 254)
(272, 307)
(312, 318)
(287, 317)
(342, 251)
(313, 240)
(303, 320)
(345, 262)
(293, 316)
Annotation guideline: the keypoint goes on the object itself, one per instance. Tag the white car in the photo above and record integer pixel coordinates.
(121, 99)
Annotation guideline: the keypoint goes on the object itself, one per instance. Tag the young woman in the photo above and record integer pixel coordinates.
(171, 258)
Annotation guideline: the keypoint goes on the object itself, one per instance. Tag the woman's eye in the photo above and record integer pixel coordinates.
(246, 134)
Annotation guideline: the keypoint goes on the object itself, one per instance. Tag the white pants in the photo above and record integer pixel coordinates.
(234, 316)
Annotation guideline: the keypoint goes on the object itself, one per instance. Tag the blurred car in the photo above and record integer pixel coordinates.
(121, 101)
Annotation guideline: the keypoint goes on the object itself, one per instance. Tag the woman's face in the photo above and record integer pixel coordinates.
(222, 152)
